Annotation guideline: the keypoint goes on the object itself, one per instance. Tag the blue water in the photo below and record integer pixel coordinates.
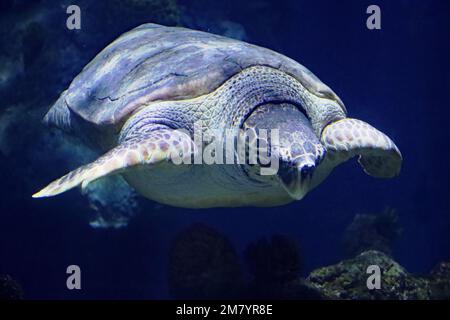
(396, 78)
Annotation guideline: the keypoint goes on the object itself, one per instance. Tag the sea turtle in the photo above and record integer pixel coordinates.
(137, 94)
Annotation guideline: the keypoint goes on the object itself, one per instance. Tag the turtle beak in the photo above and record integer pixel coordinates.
(296, 177)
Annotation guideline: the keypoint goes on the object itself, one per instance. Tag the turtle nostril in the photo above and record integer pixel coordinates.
(306, 171)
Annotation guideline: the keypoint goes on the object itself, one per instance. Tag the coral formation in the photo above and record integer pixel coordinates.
(113, 202)
(348, 280)
(203, 265)
(372, 232)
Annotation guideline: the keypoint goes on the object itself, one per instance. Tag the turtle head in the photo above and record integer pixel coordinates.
(291, 142)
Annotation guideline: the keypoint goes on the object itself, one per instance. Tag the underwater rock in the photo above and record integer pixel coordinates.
(372, 232)
(114, 203)
(440, 281)
(348, 280)
(203, 265)
(10, 289)
(273, 264)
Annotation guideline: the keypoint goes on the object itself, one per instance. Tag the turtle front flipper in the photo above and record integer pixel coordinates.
(147, 149)
(378, 155)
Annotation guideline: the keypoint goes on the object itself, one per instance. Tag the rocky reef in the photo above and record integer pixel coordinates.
(348, 280)
(204, 264)
(111, 211)
(368, 243)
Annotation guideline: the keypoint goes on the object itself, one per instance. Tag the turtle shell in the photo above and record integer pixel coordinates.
(153, 62)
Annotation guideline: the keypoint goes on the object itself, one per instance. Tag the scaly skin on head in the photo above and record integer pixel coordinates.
(257, 85)
(297, 149)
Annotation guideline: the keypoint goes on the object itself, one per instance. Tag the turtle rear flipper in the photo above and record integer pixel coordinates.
(59, 115)
(147, 149)
(378, 154)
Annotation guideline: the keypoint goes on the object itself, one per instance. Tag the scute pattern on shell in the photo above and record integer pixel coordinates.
(153, 62)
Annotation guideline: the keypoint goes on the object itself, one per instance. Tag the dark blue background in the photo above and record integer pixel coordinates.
(396, 78)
